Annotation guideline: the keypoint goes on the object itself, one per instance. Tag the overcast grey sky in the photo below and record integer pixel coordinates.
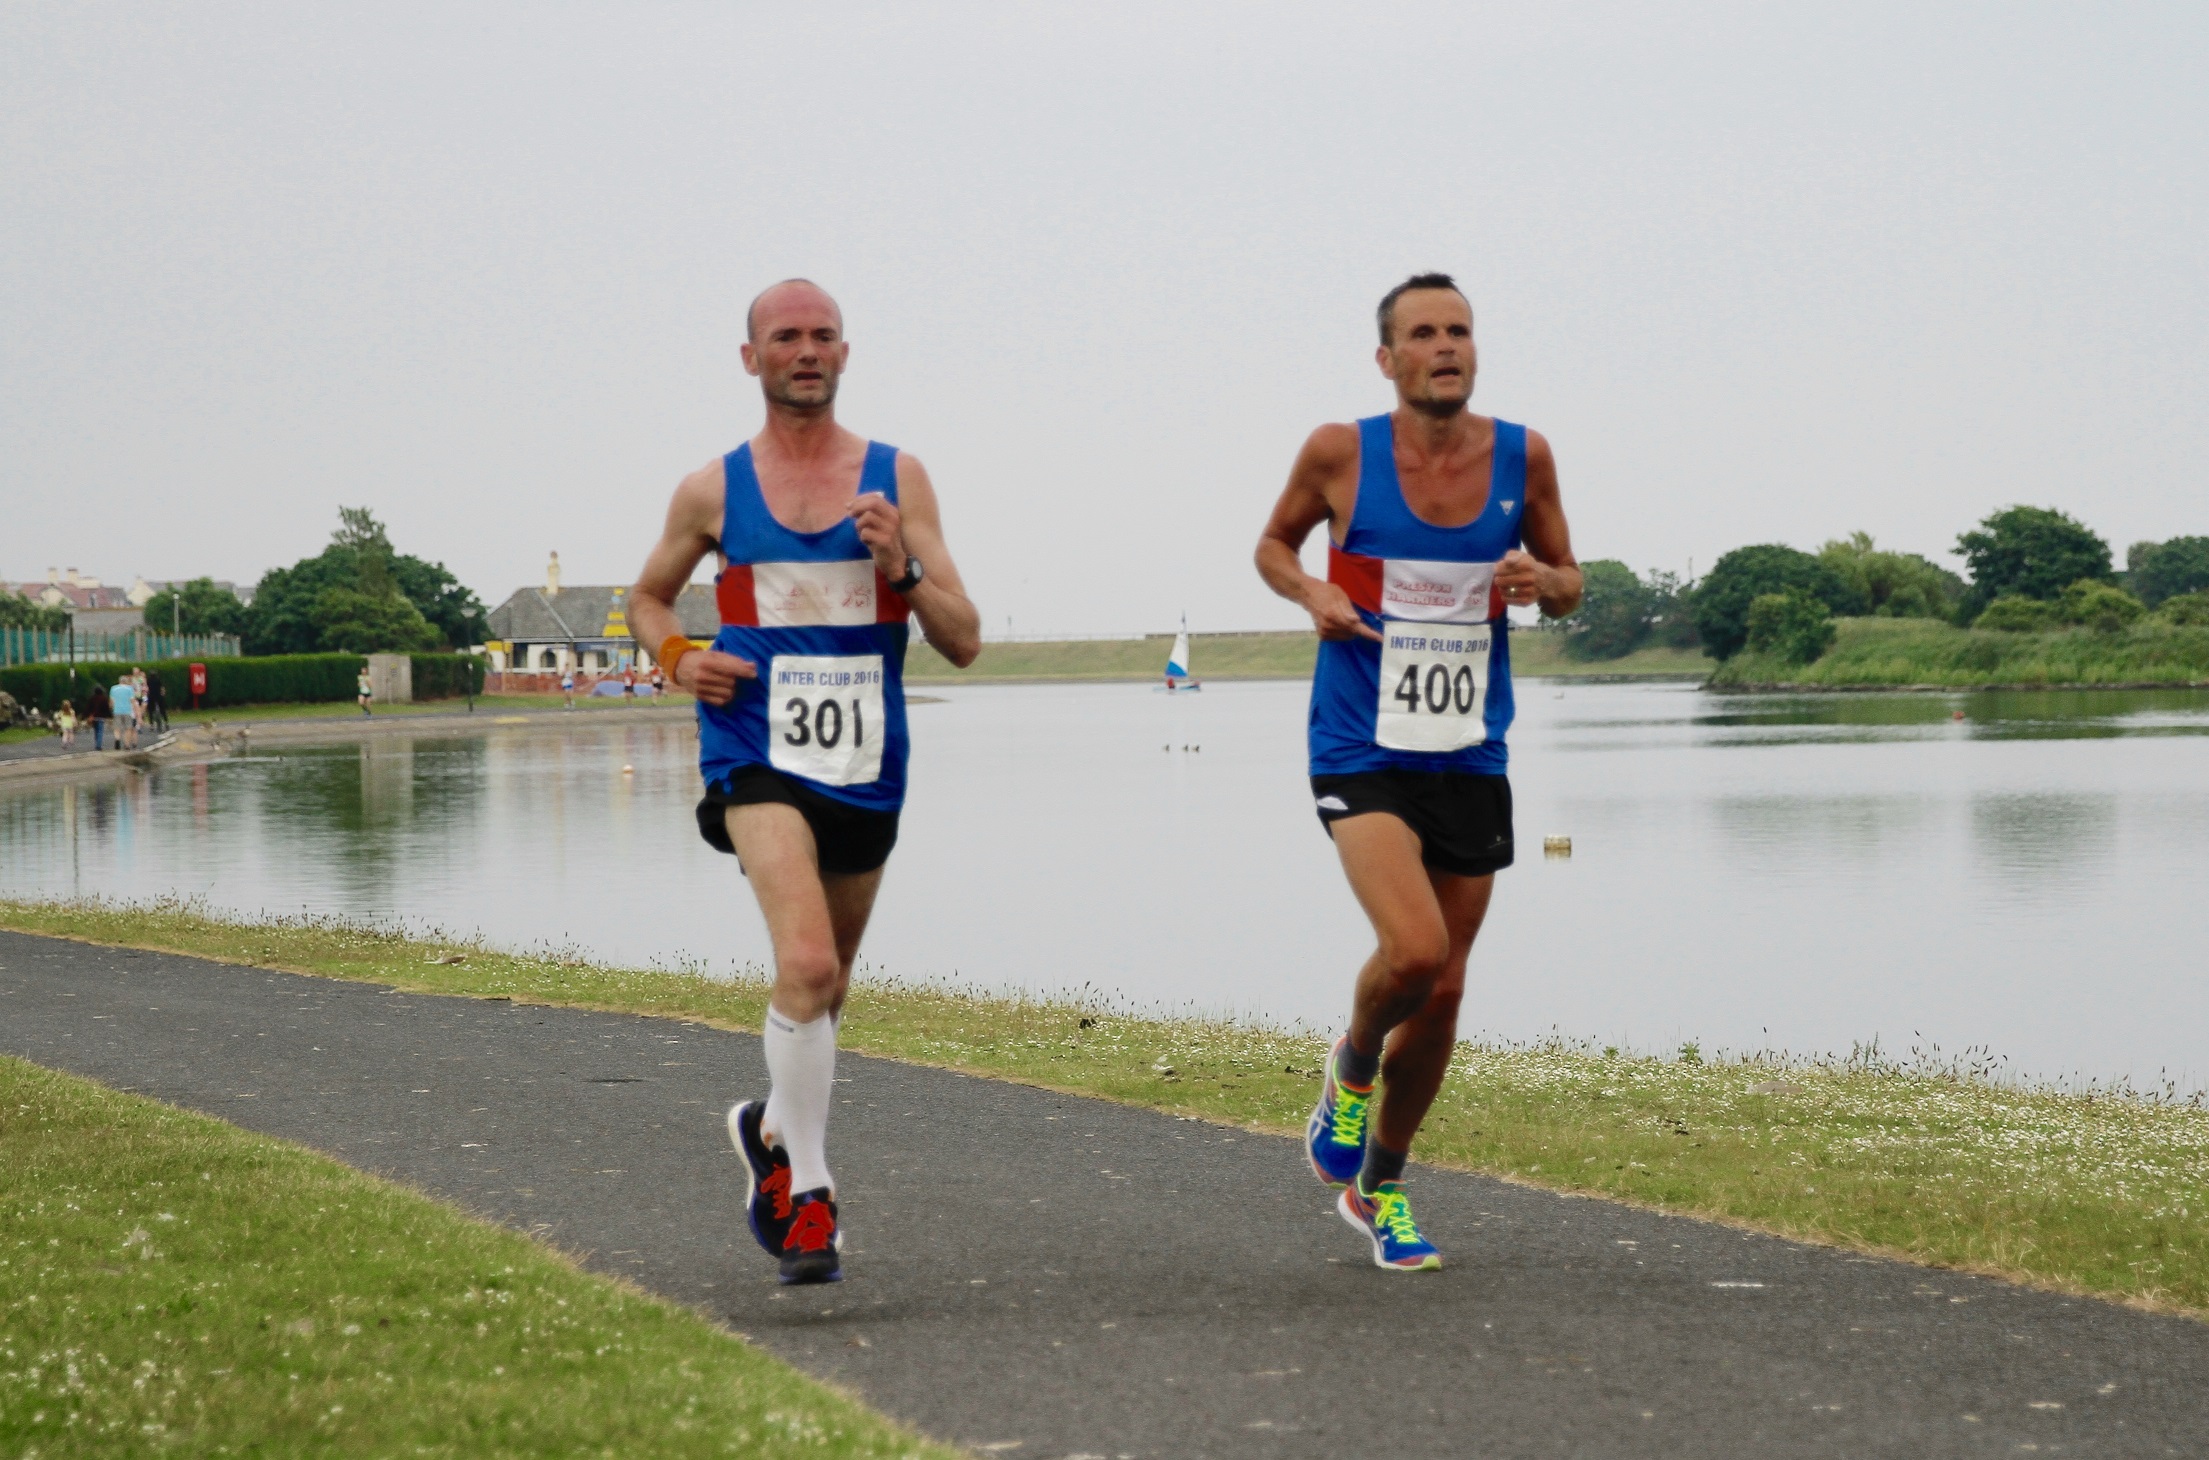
(1759, 272)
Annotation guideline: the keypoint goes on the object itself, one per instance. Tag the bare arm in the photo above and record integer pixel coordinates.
(693, 528)
(1325, 471)
(1546, 573)
(913, 527)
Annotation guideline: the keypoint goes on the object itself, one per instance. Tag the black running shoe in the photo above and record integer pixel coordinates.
(812, 1253)
(767, 1194)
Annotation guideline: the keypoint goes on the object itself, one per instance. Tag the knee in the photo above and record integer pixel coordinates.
(813, 968)
(1414, 962)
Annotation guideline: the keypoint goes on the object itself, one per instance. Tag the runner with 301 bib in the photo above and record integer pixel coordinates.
(828, 543)
(1432, 513)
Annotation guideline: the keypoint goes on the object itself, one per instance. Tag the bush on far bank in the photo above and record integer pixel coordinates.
(2187, 609)
(1792, 627)
(1886, 652)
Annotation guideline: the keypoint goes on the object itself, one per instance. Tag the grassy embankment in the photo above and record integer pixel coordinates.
(1888, 653)
(1246, 656)
(170, 1284)
(2102, 1194)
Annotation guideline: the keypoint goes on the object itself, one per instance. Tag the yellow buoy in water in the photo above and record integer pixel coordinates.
(628, 770)
(1556, 846)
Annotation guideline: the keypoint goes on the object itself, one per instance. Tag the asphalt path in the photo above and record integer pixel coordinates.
(1038, 1275)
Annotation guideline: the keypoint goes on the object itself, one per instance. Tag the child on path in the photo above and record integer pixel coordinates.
(65, 720)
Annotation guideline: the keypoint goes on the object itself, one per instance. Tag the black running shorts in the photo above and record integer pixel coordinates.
(849, 839)
(1463, 822)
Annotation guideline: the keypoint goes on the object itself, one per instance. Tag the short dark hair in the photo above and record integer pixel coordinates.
(1386, 314)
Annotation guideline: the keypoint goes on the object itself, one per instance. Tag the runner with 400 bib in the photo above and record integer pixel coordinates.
(1437, 519)
(828, 544)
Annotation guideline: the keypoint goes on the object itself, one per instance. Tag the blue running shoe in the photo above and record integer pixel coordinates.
(1385, 1218)
(1335, 1139)
(767, 1195)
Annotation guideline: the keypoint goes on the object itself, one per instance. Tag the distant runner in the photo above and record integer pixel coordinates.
(365, 692)
(1426, 509)
(828, 542)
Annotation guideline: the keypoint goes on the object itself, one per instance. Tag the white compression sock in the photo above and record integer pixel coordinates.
(801, 1074)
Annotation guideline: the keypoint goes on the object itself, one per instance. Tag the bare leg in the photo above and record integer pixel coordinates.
(814, 922)
(1409, 990)
(1419, 1049)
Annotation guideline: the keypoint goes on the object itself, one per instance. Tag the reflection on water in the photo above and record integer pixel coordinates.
(1799, 871)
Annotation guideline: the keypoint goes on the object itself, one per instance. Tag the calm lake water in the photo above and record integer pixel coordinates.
(1799, 873)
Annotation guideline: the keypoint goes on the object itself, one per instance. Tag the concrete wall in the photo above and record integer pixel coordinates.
(392, 678)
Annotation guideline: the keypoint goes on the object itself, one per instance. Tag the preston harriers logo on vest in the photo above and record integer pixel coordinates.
(1435, 593)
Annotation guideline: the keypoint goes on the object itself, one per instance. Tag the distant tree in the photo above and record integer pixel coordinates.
(450, 605)
(1671, 610)
(199, 607)
(354, 622)
(1894, 585)
(2099, 605)
(2155, 571)
(1613, 617)
(1748, 573)
(18, 612)
(1794, 626)
(2016, 614)
(2029, 552)
(290, 614)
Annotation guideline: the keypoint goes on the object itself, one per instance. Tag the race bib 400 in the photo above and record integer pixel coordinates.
(824, 717)
(1434, 686)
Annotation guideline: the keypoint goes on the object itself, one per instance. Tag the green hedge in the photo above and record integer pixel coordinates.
(272, 679)
(445, 676)
(267, 679)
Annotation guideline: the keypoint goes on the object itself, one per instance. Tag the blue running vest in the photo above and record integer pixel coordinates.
(828, 634)
(1436, 695)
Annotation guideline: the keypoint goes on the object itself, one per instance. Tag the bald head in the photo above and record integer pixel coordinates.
(795, 345)
(801, 296)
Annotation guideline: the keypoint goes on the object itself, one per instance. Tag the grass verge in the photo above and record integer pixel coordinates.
(1895, 653)
(2103, 1193)
(170, 1284)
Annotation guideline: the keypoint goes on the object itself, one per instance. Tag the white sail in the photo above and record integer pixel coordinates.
(1177, 664)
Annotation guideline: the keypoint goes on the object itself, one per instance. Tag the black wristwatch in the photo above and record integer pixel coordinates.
(912, 577)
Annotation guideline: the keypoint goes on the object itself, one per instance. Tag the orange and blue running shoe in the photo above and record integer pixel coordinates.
(1385, 1218)
(1335, 1139)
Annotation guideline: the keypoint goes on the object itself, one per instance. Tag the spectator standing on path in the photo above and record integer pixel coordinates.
(65, 720)
(97, 711)
(157, 702)
(122, 701)
(1426, 510)
(829, 544)
(367, 690)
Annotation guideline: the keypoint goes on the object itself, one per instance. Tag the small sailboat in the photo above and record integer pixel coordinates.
(1178, 676)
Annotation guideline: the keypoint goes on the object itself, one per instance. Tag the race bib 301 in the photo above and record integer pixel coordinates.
(824, 717)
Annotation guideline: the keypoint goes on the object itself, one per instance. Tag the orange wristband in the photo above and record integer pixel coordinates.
(672, 650)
